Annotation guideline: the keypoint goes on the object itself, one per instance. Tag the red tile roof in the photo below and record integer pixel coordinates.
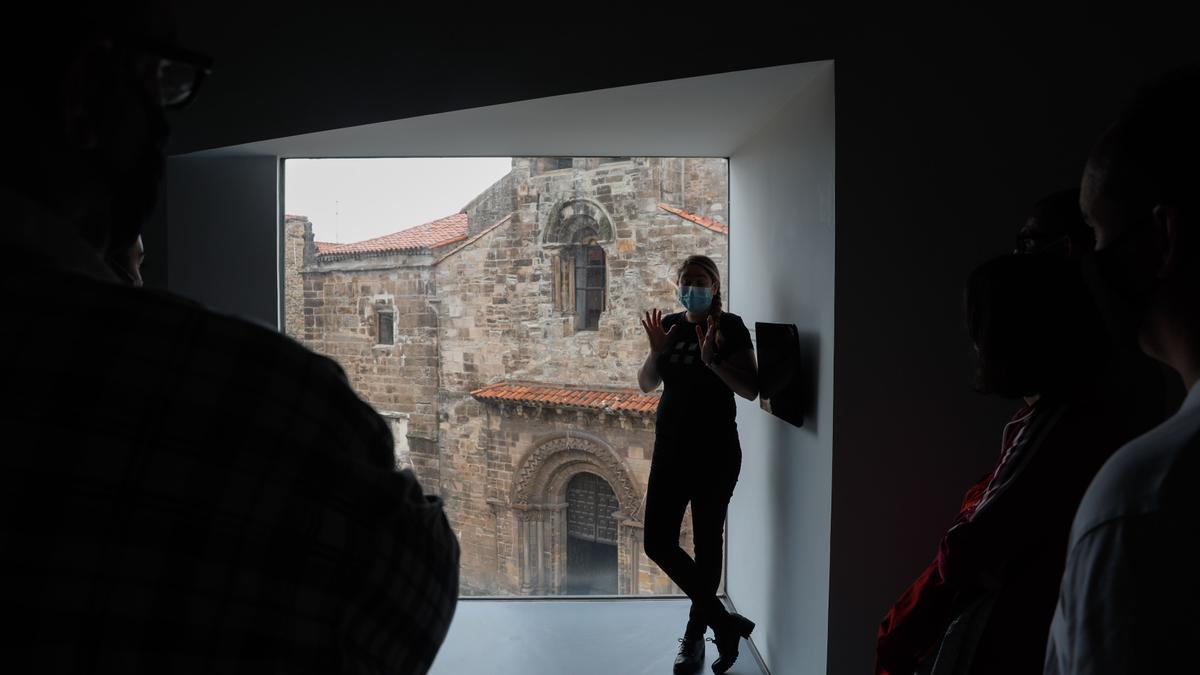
(324, 246)
(703, 221)
(627, 401)
(431, 235)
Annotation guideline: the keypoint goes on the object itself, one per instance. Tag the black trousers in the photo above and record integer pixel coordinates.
(700, 467)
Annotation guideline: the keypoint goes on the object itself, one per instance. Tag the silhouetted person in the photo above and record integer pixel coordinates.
(183, 491)
(702, 356)
(126, 262)
(1055, 226)
(1129, 592)
(985, 603)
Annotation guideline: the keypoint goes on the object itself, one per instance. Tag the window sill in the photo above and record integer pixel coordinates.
(571, 635)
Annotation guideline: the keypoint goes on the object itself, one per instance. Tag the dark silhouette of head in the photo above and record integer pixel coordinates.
(1140, 194)
(1056, 225)
(1034, 325)
(83, 118)
(128, 264)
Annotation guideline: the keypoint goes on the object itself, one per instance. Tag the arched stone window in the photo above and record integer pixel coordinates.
(575, 235)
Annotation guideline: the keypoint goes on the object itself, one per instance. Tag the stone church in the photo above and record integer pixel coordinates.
(503, 343)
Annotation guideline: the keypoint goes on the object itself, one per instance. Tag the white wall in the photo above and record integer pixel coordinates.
(782, 269)
(222, 224)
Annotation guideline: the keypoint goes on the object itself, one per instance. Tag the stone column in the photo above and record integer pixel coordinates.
(629, 555)
(525, 551)
(541, 540)
(556, 537)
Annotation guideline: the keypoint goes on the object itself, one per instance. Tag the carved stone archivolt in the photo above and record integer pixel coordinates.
(574, 217)
(545, 471)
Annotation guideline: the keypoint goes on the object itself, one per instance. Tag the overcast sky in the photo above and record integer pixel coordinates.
(354, 199)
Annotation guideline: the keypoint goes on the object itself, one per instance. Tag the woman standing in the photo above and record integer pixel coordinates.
(702, 356)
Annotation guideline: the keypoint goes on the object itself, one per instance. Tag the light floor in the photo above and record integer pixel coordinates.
(571, 637)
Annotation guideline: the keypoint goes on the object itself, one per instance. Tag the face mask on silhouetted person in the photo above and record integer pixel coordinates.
(695, 298)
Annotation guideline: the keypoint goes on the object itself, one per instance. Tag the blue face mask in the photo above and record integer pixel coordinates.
(695, 298)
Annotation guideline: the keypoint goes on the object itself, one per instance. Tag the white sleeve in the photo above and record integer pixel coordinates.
(1127, 601)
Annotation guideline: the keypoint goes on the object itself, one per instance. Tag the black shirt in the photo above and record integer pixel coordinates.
(692, 392)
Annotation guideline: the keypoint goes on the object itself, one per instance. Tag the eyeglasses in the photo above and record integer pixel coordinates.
(177, 72)
(1032, 244)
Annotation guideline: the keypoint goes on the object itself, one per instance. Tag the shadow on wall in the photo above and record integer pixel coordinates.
(808, 376)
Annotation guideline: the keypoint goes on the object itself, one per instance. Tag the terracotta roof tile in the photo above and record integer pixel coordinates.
(628, 401)
(431, 235)
(703, 221)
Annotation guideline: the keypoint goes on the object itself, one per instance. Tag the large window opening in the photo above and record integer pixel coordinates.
(488, 308)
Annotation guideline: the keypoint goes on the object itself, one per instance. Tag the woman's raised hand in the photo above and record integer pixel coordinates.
(659, 339)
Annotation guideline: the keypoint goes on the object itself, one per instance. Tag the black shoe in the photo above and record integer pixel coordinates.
(691, 655)
(727, 640)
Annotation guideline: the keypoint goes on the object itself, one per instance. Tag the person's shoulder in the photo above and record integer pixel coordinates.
(255, 348)
(233, 330)
(273, 367)
(733, 325)
(208, 362)
(669, 320)
(1150, 474)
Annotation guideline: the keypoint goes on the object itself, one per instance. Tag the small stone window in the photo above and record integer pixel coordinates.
(385, 320)
(589, 286)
